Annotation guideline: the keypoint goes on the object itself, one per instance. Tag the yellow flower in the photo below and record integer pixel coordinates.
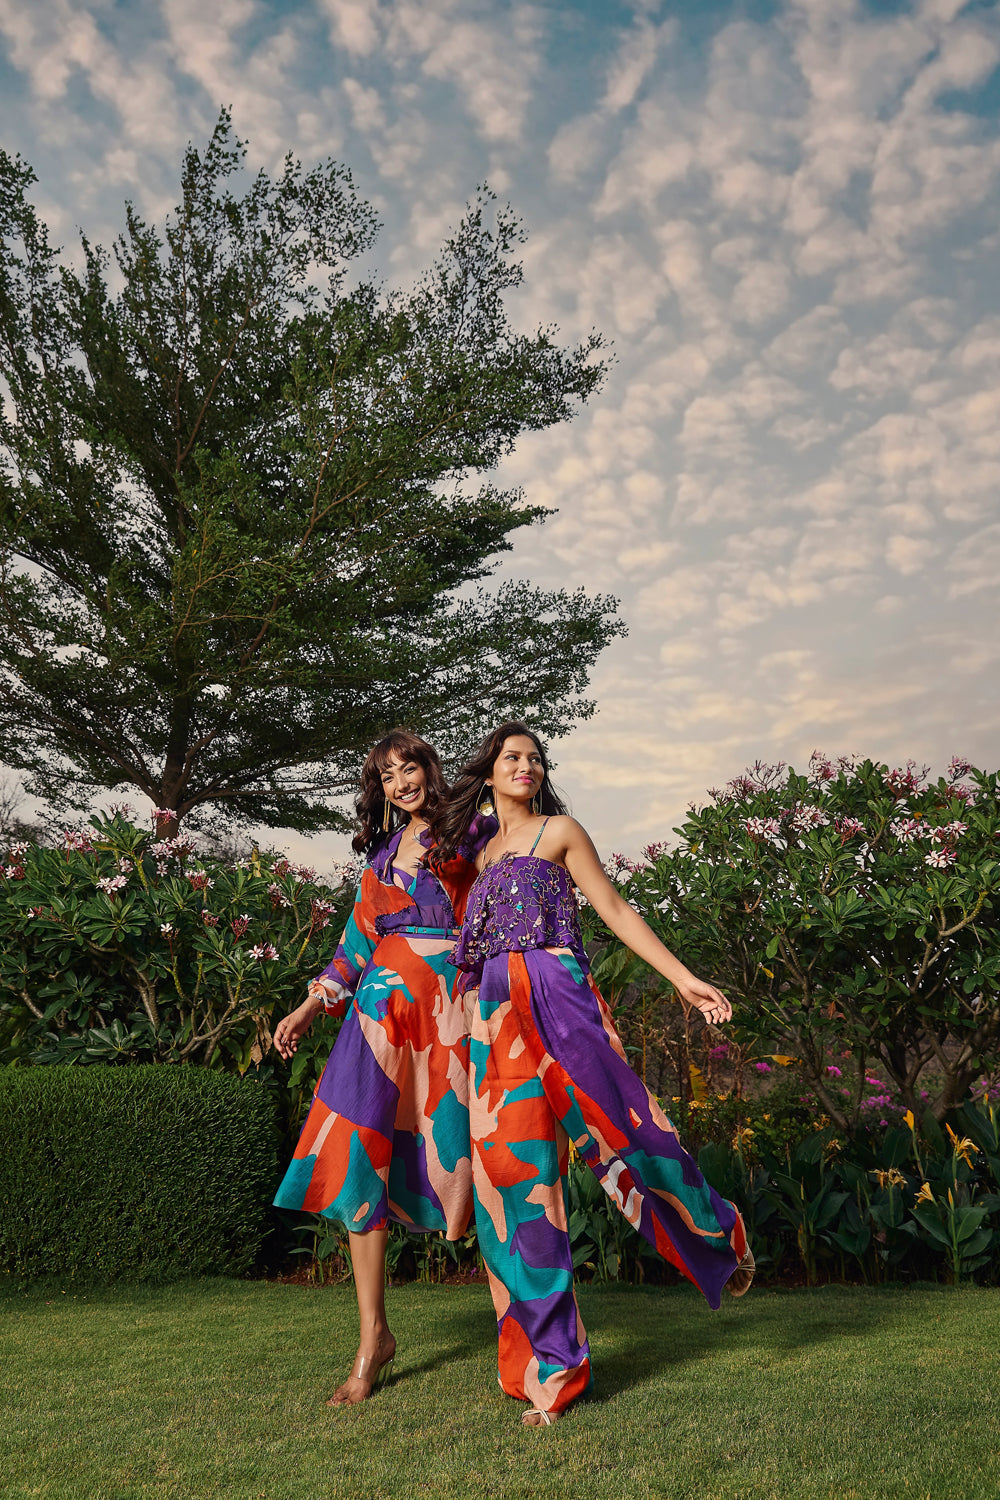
(743, 1138)
(891, 1178)
(910, 1121)
(962, 1146)
(925, 1195)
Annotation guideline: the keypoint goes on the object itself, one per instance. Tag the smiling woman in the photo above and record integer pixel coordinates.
(547, 1067)
(387, 1135)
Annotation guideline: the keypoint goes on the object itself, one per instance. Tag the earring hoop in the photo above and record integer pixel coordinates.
(536, 804)
(485, 804)
(386, 816)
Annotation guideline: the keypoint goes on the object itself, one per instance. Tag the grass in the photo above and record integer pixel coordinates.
(215, 1389)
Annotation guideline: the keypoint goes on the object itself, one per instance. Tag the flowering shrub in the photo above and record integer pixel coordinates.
(851, 907)
(121, 947)
(908, 1202)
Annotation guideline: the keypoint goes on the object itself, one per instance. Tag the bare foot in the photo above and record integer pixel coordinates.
(370, 1369)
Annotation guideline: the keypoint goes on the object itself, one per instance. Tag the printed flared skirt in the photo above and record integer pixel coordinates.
(386, 1138)
(547, 1067)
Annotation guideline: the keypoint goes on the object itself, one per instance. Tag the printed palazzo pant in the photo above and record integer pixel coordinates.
(547, 1067)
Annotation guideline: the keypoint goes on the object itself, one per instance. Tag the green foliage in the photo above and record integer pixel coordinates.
(852, 907)
(239, 512)
(175, 959)
(142, 1173)
(916, 1202)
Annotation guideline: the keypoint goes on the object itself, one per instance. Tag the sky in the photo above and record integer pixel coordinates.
(784, 216)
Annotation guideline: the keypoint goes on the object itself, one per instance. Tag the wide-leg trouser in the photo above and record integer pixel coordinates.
(545, 1063)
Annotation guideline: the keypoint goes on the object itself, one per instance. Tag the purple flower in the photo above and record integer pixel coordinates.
(763, 1067)
(834, 1072)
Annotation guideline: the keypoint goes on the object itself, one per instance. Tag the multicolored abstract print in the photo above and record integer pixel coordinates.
(547, 1067)
(387, 1134)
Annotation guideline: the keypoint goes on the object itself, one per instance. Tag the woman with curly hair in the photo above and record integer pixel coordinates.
(547, 1067)
(387, 1134)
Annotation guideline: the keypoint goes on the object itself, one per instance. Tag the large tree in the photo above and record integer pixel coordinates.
(241, 525)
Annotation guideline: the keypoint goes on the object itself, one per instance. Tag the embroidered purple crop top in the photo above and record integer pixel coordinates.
(519, 901)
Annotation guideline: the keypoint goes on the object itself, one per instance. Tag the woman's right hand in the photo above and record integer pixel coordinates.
(289, 1031)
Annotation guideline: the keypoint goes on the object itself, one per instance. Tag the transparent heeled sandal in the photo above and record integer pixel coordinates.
(375, 1371)
(740, 1281)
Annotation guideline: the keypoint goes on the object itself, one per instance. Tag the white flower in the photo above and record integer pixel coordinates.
(764, 830)
(167, 928)
(940, 858)
(263, 950)
(906, 829)
(949, 832)
(112, 884)
(806, 817)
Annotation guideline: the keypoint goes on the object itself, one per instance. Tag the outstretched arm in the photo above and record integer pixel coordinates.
(584, 865)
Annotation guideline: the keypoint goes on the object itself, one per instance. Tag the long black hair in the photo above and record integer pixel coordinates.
(371, 801)
(451, 823)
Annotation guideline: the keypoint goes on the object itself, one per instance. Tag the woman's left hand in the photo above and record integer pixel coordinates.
(705, 997)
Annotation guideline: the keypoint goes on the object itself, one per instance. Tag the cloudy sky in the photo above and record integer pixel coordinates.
(786, 218)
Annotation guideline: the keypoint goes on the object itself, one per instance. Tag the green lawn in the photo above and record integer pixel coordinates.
(216, 1389)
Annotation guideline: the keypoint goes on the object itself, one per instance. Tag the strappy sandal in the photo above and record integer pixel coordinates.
(547, 1417)
(740, 1281)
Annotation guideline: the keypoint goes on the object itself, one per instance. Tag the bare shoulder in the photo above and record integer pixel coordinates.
(563, 824)
(565, 834)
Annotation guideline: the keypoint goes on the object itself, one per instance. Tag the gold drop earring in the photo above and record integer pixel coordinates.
(485, 804)
(536, 803)
(386, 816)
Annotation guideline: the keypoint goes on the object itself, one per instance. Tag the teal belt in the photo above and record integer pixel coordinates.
(441, 932)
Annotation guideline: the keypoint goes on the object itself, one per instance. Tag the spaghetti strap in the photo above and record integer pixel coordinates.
(535, 844)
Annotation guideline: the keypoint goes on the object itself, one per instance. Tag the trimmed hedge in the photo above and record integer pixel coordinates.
(144, 1173)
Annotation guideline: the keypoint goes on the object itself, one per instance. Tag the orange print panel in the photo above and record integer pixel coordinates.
(330, 1171)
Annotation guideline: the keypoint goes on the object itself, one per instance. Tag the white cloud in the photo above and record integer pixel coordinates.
(788, 229)
(354, 24)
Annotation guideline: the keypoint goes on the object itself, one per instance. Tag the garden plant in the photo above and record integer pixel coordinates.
(118, 946)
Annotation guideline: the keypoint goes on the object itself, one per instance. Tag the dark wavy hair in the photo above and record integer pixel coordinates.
(371, 800)
(450, 825)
